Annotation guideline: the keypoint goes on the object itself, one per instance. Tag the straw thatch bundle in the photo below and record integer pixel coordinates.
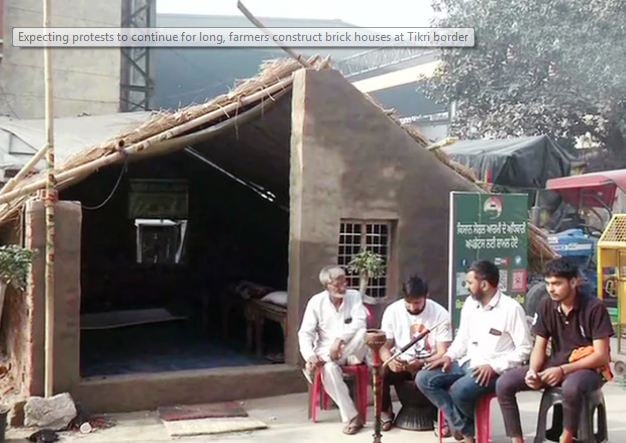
(164, 129)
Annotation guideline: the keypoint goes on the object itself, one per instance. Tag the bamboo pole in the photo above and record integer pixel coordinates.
(442, 143)
(138, 147)
(49, 206)
(25, 170)
(256, 22)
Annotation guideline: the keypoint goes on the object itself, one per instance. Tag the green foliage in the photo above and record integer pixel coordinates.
(14, 265)
(553, 67)
(368, 264)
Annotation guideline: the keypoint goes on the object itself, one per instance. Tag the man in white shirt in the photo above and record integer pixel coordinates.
(493, 337)
(402, 321)
(332, 334)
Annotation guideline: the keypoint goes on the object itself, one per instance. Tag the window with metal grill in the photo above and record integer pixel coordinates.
(358, 235)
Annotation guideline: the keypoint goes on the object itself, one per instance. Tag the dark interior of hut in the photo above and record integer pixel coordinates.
(176, 254)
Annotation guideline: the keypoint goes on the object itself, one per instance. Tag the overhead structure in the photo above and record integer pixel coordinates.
(375, 59)
(136, 84)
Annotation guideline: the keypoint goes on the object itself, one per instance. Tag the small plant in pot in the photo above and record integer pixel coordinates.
(14, 267)
(366, 264)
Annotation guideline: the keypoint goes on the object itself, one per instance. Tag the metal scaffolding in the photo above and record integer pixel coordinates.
(375, 59)
(135, 83)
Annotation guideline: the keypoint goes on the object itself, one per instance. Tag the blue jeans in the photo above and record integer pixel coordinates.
(454, 392)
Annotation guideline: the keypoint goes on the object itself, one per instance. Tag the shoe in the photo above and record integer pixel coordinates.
(458, 436)
(308, 375)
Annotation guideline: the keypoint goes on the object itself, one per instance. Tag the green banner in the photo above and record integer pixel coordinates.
(490, 227)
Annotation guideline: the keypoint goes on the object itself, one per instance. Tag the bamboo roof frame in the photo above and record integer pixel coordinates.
(170, 131)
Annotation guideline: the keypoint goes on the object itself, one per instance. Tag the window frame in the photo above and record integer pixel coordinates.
(344, 256)
(179, 257)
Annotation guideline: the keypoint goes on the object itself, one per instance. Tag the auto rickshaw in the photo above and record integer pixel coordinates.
(611, 262)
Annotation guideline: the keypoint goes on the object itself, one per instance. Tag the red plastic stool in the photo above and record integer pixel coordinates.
(318, 398)
(482, 420)
(441, 420)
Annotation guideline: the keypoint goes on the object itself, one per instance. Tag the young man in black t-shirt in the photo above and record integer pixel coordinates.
(571, 319)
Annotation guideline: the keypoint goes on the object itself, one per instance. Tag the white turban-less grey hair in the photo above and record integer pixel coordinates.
(329, 274)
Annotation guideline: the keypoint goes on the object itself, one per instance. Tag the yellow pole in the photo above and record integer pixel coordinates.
(49, 206)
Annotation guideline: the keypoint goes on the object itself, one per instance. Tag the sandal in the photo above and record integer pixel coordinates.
(386, 420)
(354, 426)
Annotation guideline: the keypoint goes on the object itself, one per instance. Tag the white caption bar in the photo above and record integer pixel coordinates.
(243, 37)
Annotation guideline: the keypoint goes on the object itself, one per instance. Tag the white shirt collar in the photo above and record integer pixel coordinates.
(328, 299)
(492, 303)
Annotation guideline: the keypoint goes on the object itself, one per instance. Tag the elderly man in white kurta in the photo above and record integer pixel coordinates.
(332, 334)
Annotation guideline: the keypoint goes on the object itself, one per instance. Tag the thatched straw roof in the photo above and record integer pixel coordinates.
(171, 131)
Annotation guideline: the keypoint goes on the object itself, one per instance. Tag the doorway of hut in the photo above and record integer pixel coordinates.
(184, 259)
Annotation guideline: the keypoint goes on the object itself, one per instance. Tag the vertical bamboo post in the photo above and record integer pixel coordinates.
(375, 339)
(49, 202)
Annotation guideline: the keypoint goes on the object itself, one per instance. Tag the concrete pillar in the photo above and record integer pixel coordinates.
(68, 218)
(314, 212)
